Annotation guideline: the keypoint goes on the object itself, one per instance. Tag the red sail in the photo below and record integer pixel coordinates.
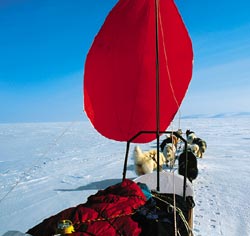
(120, 70)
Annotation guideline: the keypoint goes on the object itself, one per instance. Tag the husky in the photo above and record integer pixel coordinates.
(146, 162)
(169, 139)
(194, 141)
(202, 146)
(194, 148)
(190, 136)
(169, 153)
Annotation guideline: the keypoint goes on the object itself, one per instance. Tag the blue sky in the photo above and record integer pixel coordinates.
(43, 46)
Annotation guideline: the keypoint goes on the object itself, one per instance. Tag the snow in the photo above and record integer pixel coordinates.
(48, 167)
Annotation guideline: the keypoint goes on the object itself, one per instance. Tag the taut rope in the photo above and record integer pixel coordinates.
(36, 160)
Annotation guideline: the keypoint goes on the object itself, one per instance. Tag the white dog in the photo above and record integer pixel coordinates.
(146, 162)
(169, 153)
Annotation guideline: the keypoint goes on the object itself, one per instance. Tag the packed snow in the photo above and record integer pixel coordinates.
(48, 167)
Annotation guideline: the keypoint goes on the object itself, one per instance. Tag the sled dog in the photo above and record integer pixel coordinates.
(146, 162)
(169, 139)
(169, 153)
(194, 148)
(193, 140)
(190, 136)
(202, 146)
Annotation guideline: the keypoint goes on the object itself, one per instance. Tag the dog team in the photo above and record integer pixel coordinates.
(145, 161)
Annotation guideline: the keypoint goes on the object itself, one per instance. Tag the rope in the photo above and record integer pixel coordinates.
(172, 140)
(172, 170)
(180, 214)
(175, 217)
(166, 59)
(36, 160)
(167, 68)
(179, 120)
(79, 223)
(109, 219)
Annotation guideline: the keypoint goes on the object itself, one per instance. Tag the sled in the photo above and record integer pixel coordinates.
(136, 74)
(170, 183)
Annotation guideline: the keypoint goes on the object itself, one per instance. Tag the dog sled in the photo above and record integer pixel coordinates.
(136, 74)
(144, 58)
(127, 208)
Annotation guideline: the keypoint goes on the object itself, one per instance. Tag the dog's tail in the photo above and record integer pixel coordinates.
(138, 155)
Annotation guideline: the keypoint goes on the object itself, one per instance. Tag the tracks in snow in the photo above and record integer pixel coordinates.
(207, 212)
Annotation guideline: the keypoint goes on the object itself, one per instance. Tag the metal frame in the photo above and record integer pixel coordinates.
(158, 154)
(157, 132)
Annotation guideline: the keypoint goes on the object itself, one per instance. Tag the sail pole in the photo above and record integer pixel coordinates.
(157, 94)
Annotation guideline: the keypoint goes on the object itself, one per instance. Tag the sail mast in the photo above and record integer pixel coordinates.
(157, 94)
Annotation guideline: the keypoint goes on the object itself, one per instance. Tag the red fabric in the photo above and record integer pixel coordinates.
(120, 70)
(116, 200)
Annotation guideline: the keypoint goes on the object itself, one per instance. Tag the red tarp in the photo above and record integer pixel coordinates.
(120, 70)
